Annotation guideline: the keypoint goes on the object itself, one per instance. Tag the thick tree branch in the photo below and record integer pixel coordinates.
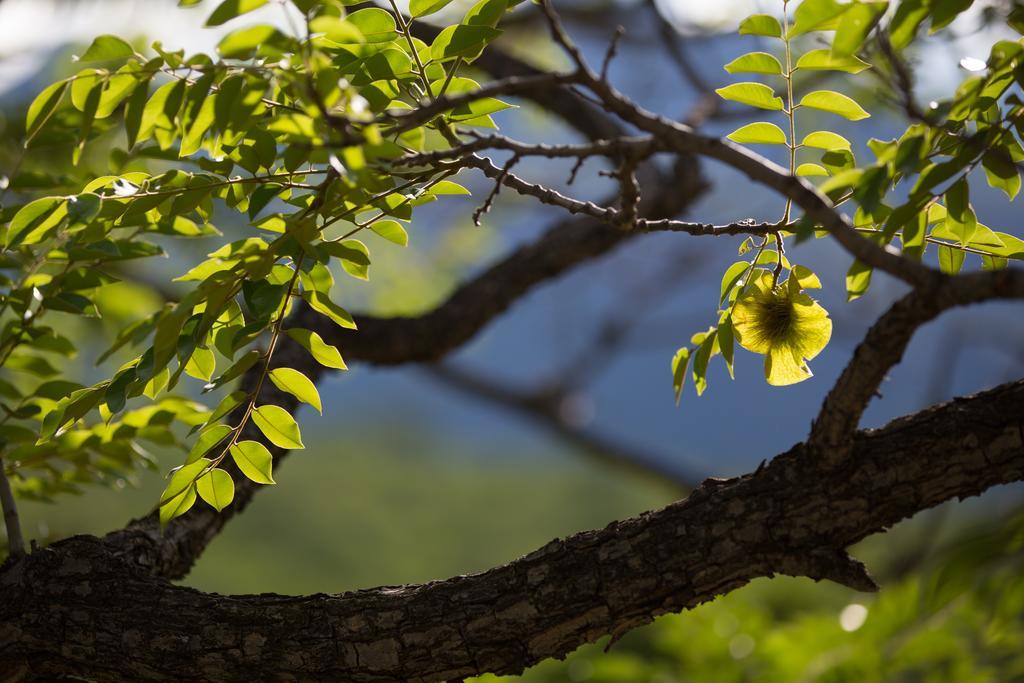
(885, 342)
(75, 608)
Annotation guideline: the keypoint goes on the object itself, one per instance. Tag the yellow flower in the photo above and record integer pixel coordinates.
(784, 324)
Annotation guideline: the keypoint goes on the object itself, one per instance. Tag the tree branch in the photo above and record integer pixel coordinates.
(74, 607)
(885, 342)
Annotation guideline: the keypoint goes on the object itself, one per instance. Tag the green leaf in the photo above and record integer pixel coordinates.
(354, 256)
(183, 479)
(758, 134)
(753, 94)
(243, 43)
(462, 41)
(487, 12)
(324, 353)
(208, 438)
(447, 187)
(107, 47)
(298, 385)
(1001, 172)
(826, 140)
(321, 303)
(376, 25)
(42, 108)
(336, 29)
(254, 461)
(83, 209)
(133, 111)
(177, 505)
(950, 260)
(858, 279)
(960, 218)
(192, 140)
(35, 219)
(679, 363)
(229, 9)
(700, 360)
(392, 231)
(236, 369)
(824, 60)
(907, 19)
(217, 488)
(421, 8)
(810, 170)
(835, 103)
(854, 26)
(761, 25)
(201, 364)
(816, 15)
(805, 277)
(731, 278)
(726, 342)
(755, 63)
(278, 426)
(945, 11)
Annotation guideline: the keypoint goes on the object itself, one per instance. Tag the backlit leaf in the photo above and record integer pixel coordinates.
(298, 385)
(217, 488)
(254, 461)
(278, 426)
(755, 63)
(42, 108)
(835, 103)
(753, 94)
(324, 353)
(758, 134)
(107, 47)
(827, 140)
(824, 60)
(761, 25)
(229, 9)
(421, 8)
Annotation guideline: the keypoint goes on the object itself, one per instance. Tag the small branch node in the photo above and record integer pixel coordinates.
(498, 182)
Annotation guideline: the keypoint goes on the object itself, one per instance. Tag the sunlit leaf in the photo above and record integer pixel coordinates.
(761, 25)
(835, 103)
(825, 60)
(254, 461)
(217, 488)
(755, 63)
(298, 385)
(754, 94)
(758, 134)
(277, 425)
(324, 353)
(229, 9)
(106, 48)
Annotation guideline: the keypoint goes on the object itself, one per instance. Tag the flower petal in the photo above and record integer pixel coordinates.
(782, 366)
(812, 328)
(748, 327)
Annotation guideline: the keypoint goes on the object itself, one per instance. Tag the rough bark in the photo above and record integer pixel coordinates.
(80, 608)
